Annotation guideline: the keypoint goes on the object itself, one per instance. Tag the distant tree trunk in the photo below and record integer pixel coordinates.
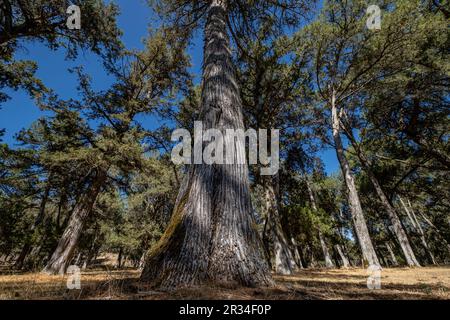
(313, 262)
(416, 224)
(142, 261)
(40, 217)
(212, 235)
(361, 229)
(282, 253)
(392, 255)
(297, 257)
(344, 260)
(398, 229)
(63, 254)
(328, 262)
(436, 229)
(119, 259)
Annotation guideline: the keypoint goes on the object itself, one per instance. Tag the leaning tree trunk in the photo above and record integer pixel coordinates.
(361, 229)
(297, 258)
(40, 217)
(64, 252)
(212, 236)
(344, 260)
(398, 229)
(281, 251)
(326, 254)
(392, 255)
(418, 228)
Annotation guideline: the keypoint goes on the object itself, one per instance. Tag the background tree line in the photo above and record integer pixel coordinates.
(90, 179)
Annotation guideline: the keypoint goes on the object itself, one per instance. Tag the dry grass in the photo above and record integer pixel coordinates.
(401, 283)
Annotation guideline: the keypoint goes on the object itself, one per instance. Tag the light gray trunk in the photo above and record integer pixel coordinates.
(212, 235)
(436, 229)
(297, 257)
(397, 226)
(328, 262)
(281, 251)
(392, 255)
(411, 215)
(361, 229)
(65, 250)
(344, 260)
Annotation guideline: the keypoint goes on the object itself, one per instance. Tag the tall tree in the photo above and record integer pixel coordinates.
(145, 81)
(212, 235)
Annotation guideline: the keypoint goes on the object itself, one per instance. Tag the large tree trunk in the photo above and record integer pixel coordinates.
(361, 229)
(326, 254)
(212, 236)
(413, 219)
(281, 251)
(64, 252)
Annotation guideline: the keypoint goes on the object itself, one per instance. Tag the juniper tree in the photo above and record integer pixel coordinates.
(145, 81)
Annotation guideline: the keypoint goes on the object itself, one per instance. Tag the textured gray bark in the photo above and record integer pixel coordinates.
(212, 235)
(361, 229)
(65, 250)
(397, 226)
(411, 215)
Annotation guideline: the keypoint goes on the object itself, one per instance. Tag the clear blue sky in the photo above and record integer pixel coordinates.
(134, 20)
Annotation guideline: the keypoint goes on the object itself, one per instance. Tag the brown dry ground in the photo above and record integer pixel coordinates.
(337, 284)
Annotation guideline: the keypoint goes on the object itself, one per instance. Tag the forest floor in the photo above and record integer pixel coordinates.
(337, 284)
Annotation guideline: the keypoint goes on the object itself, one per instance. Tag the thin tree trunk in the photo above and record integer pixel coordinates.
(416, 224)
(398, 229)
(392, 255)
(313, 262)
(328, 262)
(326, 254)
(282, 253)
(345, 262)
(119, 259)
(63, 254)
(212, 234)
(361, 229)
(40, 217)
(297, 257)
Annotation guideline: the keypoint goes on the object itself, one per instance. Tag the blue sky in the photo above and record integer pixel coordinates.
(134, 20)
